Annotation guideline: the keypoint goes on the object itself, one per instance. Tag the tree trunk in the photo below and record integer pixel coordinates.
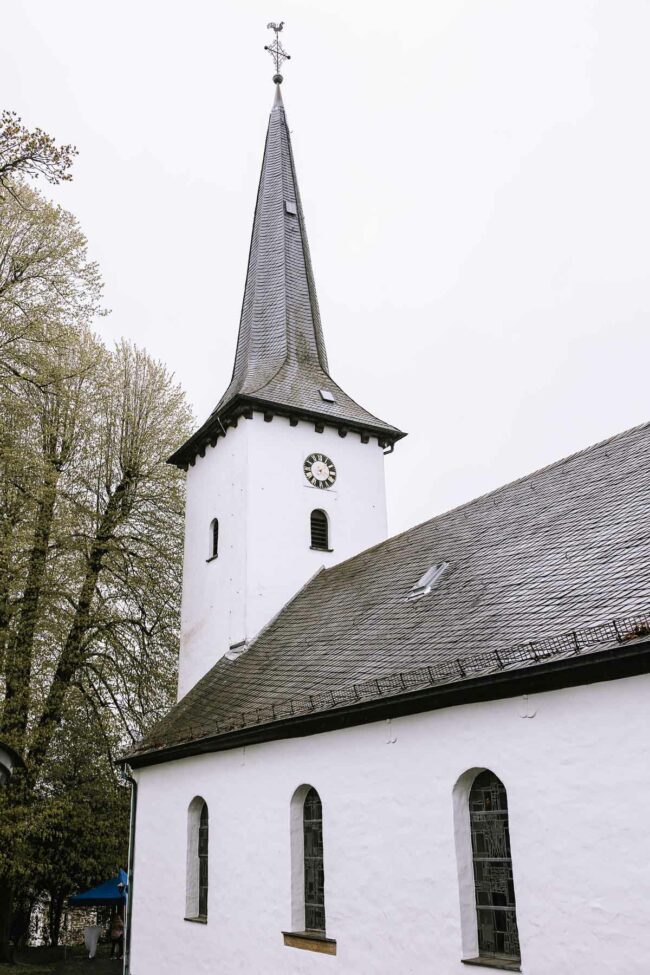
(71, 656)
(19, 658)
(6, 911)
(55, 910)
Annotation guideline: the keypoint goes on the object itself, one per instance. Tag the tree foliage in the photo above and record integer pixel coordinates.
(77, 832)
(30, 153)
(90, 535)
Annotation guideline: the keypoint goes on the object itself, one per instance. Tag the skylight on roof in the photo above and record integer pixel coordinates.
(290, 208)
(327, 396)
(425, 584)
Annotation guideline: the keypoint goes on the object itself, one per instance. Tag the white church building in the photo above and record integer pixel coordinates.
(402, 755)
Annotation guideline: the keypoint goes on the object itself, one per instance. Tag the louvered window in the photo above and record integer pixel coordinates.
(313, 856)
(203, 862)
(319, 531)
(214, 538)
(493, 881)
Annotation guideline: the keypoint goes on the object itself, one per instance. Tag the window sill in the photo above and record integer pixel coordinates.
(309, 941)
(201, 919)
(317, 548)
(484, 961)
(212, 558)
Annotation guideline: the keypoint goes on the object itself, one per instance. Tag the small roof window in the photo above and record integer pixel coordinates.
(327, 396)
(290, 207)
(425, 584)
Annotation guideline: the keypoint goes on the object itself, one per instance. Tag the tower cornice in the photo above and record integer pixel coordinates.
(243, 407)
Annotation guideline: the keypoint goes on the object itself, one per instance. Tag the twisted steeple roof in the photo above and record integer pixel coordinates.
(281, 362)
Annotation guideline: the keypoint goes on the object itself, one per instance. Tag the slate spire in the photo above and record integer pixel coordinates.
(280, 329)
(281, 362)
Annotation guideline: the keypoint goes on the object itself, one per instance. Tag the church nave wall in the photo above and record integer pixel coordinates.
(390, 835)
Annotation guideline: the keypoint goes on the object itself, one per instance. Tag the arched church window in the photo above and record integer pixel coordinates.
(203, 862)
(313, 861)
(196, 892)
(319, 531)
(493, 881)
(214, 538)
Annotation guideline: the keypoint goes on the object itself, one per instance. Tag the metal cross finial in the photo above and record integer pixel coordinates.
(277, 52)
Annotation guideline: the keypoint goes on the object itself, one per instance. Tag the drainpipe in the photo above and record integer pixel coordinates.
(129, 870)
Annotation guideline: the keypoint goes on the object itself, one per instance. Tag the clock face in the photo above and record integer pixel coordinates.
(319, 470)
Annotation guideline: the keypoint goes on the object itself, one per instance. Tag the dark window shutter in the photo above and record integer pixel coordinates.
(214, 551)
(319, 530)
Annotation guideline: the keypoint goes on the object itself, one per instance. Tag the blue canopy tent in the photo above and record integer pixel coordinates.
(107, 893)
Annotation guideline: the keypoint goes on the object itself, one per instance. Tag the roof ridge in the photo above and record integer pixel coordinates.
(489, 494)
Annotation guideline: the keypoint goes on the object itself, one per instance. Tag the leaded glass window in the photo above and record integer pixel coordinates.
(313, 855)
(214, 538)
(493, 882)
(203, 862)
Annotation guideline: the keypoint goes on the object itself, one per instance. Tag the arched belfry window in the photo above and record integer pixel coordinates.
(214, 538)
(313, 861)
(320, 533)
(493, 880)
(196, 894)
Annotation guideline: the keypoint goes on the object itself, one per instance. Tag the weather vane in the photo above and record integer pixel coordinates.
(277, 52)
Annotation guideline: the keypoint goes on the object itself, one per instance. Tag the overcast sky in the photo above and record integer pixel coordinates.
(474, 175)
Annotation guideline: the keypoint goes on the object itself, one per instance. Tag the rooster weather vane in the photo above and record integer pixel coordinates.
(276, 51)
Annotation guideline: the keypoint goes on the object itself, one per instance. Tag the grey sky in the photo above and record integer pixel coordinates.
(475, 183)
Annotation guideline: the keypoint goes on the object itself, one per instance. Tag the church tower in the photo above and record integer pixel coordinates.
(287, 473)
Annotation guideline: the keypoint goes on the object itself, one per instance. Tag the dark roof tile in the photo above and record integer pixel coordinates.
(566, 547)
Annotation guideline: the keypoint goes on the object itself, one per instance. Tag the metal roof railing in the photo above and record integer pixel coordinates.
(459, 668)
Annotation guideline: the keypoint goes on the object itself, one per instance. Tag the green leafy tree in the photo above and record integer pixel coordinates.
(90, 516)
(77, 835)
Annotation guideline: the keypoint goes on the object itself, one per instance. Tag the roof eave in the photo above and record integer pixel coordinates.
(630, 660)
(217, 425)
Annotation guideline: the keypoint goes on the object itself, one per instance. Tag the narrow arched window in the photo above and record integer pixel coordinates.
(319, 530)
(196, 891)
(313, 860)
(493, 880)
(203, 862)
(214, 538)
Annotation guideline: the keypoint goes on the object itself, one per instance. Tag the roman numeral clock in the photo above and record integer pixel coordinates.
(319, 470)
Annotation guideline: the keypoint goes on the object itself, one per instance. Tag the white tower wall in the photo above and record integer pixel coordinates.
(253, 482)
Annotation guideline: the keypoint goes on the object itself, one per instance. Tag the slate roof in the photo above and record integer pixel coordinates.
(565, 548)
(281, 362)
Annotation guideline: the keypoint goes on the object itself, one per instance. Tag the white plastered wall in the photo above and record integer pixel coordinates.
(253, 482)
(212, 610)
(575, 764)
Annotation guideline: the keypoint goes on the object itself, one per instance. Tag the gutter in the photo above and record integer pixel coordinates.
(129, 869)
(628, 660)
